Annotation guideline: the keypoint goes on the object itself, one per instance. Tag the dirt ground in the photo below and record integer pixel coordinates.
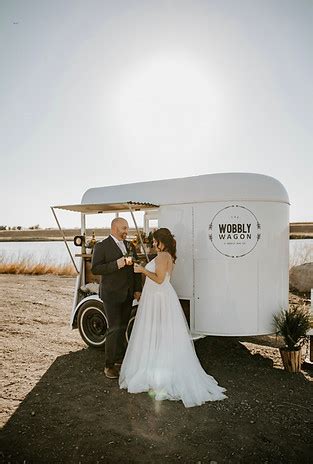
(57, 406)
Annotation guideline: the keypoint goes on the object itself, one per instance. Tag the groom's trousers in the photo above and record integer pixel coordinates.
(118, 315)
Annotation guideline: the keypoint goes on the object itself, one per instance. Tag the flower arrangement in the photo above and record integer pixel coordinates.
(147, 240)
(91, 243)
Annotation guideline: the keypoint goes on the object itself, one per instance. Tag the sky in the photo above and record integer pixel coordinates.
(96, 93)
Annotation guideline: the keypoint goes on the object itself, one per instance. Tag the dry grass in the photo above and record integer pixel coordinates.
(300, 253)
(28, 266)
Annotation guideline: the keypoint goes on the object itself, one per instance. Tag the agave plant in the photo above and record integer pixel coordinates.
(293, 324)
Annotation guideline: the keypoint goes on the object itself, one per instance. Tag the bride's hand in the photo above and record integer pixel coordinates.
(138, 269)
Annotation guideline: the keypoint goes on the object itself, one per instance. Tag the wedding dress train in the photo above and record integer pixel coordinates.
(160, 356)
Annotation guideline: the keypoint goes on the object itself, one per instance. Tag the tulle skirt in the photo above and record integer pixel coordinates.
(160, 356)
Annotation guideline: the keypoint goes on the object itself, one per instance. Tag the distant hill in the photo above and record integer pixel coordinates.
(301, 230)
(298, 230)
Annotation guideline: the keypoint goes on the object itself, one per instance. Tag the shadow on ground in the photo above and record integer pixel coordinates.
(74, 414)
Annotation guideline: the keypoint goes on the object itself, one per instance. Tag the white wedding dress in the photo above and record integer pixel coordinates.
(160, 356)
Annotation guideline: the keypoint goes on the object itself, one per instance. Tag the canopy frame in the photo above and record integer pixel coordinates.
(128, 206)
(98, 208)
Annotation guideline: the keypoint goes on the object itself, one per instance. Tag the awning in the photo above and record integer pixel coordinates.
(108, 207)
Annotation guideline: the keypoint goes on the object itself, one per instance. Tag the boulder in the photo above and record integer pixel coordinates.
(301, 277)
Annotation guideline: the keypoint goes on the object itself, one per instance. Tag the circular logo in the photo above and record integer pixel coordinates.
(234, 231)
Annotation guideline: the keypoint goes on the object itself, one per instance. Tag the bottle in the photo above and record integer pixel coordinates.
(93, 240)
(91, 243)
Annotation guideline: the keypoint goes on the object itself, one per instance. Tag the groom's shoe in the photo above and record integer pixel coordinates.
(117, 366)
(111, 372)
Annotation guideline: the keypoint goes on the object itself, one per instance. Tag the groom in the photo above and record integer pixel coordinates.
(119, 285)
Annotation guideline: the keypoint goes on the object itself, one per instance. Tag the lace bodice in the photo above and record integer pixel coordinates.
(151, 267)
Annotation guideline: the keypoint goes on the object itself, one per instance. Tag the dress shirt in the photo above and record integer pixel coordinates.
(120, 244)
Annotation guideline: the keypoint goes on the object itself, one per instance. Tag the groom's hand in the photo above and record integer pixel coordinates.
(137, 295)
(121, 262)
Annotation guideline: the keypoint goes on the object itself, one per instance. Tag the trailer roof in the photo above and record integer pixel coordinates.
(197, 189)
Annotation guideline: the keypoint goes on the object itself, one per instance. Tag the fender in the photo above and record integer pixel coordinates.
(73, 320)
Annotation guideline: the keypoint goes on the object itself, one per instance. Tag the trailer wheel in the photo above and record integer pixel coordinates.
(130, 324)
(92, 323)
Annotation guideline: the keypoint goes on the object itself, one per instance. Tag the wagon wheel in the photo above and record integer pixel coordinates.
(130, 324)
(92, 323)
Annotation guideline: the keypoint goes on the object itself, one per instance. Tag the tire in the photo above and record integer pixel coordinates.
(130, 324)
(92, 324)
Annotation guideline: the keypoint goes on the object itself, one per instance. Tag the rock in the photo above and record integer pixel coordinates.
(301, 277)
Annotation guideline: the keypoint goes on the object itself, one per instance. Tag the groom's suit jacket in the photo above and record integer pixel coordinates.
(115, 284)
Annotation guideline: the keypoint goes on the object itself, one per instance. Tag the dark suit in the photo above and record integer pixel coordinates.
(117, 287)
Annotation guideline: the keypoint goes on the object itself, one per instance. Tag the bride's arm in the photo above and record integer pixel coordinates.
(160, 269)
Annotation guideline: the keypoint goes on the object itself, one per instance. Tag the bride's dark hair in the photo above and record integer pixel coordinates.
(167, 238)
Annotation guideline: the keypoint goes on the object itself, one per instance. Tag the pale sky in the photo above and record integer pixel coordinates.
(96, 93)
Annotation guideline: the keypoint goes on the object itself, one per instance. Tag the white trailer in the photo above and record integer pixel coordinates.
(232, 232)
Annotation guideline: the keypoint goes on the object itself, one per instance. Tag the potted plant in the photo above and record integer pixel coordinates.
(292, 324)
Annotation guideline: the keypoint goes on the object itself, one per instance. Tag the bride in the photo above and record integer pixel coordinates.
(160, 356)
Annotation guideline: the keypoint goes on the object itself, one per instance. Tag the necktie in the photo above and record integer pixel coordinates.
(121, 244)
